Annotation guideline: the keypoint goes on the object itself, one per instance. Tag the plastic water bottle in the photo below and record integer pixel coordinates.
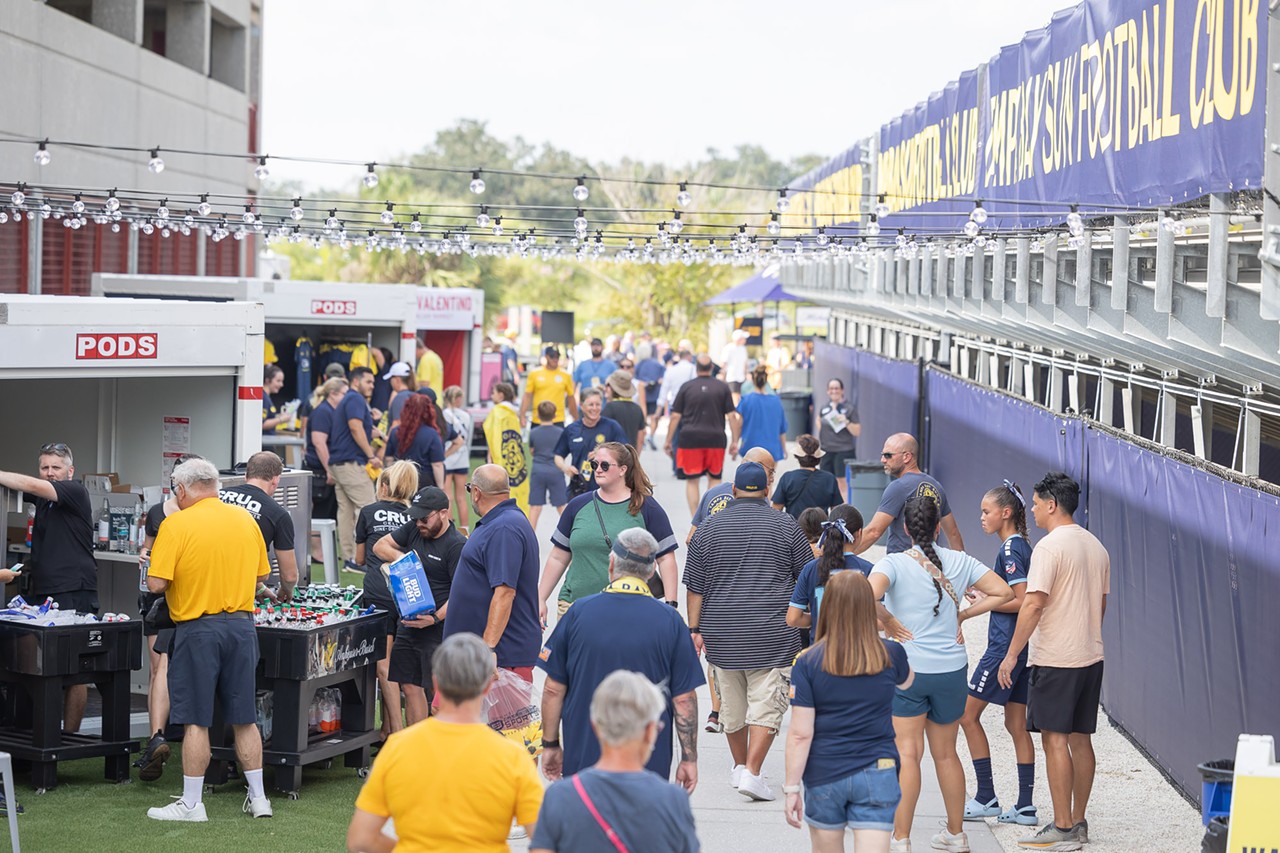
(144, 567)
(31, 522)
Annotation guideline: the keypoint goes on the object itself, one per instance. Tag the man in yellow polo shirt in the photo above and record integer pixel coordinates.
(207, 561)
(551, 384)
(450, 782)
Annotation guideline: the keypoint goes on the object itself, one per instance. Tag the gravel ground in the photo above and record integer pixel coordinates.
(1132, 806)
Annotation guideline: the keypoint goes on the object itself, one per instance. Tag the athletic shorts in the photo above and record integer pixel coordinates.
(752, 697)
(940, 695)
(865, 799)
(547, 488)
(696, 461)
(410, 661)
(1064, 700)
(79, 600)
(984, 683)
(145, 601)
(833, 462)
(392, 623)
(214, 658)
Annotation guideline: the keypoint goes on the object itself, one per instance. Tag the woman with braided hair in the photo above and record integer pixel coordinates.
(922, 587)
(840, 534)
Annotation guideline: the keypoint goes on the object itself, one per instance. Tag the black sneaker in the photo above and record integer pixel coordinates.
(4, 807)
(151, 764)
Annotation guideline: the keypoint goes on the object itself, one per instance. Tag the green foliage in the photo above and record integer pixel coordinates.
(607, 297)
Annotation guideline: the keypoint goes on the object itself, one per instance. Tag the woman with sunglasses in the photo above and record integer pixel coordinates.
(591, 523)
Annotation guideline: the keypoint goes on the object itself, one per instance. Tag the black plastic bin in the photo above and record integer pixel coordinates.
(797, 405)
(1216, 778)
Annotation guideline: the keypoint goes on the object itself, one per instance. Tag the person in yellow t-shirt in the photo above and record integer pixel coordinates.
(207, 561)
(430, 370)
(450, 783)
(551, 384)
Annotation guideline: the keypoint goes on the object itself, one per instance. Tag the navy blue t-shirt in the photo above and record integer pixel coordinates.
(853, 715)
(320, 419)
(646, 812)
(807, 595)
(609, 631)
(502, 551)
(342, 446)
(426, 449)
(578, 440)
(895, 497)
(1013, 560)
(804, 488)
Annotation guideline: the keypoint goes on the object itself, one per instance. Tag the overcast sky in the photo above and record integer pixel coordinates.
(660, 81)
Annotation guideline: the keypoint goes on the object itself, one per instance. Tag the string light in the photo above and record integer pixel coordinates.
(497, 227)
(386, 217)
(979, 213)
(580, 192)
(1075, 223)
(416, 224)
(19, 197)
(477, 182)
(112, 203)
(580, 222)
(783, 203)
(203, 208)
(42, 156)
(296, 213)
(873, 226)
(262, 172)
(155, 164)
(676, 225)
(881, 209)
(162, 212)
(683, 198)
(774, 227)
(78, 205)
(370, 179)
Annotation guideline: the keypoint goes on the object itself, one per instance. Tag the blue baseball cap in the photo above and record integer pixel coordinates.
(751, 478)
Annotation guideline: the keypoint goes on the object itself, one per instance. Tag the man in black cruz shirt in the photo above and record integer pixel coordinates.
(261, 479)
(62, 563)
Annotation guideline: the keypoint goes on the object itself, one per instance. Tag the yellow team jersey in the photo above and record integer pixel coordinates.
(506, 448)
(212, 557)
(452, 787)
(547, 384)
(431, 371)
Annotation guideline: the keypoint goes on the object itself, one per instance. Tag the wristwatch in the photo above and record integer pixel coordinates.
(550, 744)
(694, 629)
(674, 604)
(786, 789)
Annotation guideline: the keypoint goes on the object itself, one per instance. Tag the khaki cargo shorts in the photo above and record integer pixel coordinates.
(752, 697)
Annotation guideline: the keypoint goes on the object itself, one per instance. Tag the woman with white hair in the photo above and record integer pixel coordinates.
(617, 804)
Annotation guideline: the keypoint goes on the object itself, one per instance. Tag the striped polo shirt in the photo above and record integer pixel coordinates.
(744, 561)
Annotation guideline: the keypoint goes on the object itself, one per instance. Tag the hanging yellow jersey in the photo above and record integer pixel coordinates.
(506, 448)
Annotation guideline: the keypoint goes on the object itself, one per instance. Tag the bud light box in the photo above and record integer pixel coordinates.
(409, 587)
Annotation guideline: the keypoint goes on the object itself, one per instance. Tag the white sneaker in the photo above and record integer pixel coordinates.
(754, 787)
(899, 845)
(517, 833)
(257, 806)
(943, 840)
(735, 775)
(178, 810)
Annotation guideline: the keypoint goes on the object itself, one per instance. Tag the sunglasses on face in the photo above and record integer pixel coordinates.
(887, 455)
(626, 365)
(602, 465)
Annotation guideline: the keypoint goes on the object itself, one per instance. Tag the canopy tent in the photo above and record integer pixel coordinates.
(764, 287)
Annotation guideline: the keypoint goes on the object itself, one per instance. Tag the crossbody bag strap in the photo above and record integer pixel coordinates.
(608, 542)
(934, 573)
(604, 825)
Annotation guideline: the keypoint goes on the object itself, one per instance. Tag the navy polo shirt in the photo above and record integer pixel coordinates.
(502, 551)
(606, 632)
(342, 446)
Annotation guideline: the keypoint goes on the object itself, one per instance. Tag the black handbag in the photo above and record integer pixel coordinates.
(158, 616)
(577, 485)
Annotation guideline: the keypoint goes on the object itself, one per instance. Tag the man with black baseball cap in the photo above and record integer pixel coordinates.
(429, 533)
(742, 563)
(551, 384)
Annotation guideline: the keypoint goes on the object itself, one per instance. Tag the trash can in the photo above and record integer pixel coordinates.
(1216, 778)
(1215, 837)
(866, 482)
(796, 405)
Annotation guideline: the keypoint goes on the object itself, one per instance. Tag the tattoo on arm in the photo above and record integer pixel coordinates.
(686, 719)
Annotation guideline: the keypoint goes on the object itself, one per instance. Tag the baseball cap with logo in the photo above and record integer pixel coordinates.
(428, 500)
(551, 352)
(751, 478)
(335, 371)
(400, 368)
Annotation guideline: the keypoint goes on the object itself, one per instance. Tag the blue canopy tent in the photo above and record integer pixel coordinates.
(759, 289)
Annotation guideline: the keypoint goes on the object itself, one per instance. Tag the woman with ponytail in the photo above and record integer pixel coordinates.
(1004, 513)
(841, 533)
(922, 587)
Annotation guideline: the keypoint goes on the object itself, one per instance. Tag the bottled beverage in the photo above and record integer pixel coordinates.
(144, 568)
(31, 522)
(136, 531)
(104, 526)
(123, 537)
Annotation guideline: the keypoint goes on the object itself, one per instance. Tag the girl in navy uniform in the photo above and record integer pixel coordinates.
(1004, 513)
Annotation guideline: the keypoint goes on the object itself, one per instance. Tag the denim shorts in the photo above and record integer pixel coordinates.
(865, 799)
(941, 695)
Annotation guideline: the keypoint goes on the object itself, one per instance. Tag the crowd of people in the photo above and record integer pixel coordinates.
(867, 657)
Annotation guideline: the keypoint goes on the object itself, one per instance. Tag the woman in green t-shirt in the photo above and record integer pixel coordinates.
(590, 524)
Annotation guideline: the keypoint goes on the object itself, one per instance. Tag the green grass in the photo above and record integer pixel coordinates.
(85, 812)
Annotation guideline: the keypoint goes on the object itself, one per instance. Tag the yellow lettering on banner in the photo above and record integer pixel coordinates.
(1134, 99)
(1170, 120)
(1224, 99)
(1121, 37)
(1144, 61)
(1198, 92)
(1051, 97)
(1248, 50)
(1106, 105)
(1067, 93)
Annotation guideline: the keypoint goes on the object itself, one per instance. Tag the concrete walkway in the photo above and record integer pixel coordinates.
(727, 821)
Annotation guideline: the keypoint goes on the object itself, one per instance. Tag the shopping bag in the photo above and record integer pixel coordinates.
(513, 707)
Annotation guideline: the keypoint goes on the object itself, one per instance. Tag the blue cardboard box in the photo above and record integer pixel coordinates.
(409, 587)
